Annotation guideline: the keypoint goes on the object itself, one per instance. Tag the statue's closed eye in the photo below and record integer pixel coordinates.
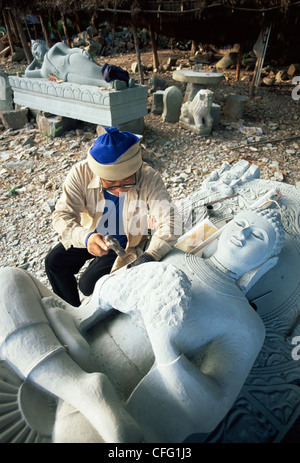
(259, 236)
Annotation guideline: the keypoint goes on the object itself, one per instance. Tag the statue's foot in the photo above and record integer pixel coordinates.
(119, 84)
(108, 415)
(131, 82)
(50, 302)
(64, 327)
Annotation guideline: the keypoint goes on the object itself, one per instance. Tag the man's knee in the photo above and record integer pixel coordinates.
(54, 260)
(86, 285)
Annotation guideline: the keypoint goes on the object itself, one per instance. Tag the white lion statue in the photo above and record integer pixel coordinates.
(196, 115)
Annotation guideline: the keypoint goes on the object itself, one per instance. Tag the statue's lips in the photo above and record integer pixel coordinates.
(234, 240)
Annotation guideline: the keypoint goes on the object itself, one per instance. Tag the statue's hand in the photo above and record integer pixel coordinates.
(87, 55)
(226, 178)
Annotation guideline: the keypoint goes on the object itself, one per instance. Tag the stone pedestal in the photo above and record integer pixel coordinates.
(158, 102)
(215, 113)
(6, 95)
(54, 126)
(14, 119)
(96, 105)
(172, 104)
(234, 106)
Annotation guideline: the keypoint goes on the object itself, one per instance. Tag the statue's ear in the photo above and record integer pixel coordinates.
(250, 278)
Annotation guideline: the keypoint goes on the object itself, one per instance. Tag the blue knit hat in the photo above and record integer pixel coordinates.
(115, 155)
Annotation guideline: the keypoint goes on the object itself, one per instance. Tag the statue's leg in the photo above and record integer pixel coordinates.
(208, 120)
(198, 121)
(92, 394)
(83, 79)
(29, 345)
(71, 427)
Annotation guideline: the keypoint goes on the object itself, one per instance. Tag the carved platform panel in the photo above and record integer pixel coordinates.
(87, 103)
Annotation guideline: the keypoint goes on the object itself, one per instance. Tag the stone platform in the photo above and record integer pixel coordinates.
(96, 105)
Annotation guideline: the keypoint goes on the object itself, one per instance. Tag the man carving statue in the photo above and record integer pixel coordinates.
(204, 338)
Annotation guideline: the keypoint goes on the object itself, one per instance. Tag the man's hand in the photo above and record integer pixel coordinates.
(142, 259)
(96, 245)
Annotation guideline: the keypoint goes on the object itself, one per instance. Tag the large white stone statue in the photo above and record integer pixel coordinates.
(204, 338)
(67, 64)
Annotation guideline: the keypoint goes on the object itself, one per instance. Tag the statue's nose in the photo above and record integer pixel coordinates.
(244, 233)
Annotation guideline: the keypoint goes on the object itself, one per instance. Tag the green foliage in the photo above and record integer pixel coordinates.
(14, 191)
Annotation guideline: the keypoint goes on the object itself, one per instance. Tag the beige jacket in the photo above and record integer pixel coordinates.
(81, 206)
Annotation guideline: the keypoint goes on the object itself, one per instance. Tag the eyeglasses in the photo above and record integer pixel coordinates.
(124, 187)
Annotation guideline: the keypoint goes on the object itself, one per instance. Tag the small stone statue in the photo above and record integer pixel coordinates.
(157, 84)
(172, 101)
(67, 64)
(196, 115)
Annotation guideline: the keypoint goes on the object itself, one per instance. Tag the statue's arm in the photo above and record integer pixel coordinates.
(33, 69)
(63, 49)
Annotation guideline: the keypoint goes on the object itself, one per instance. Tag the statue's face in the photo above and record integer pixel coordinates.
(39, 50)
(247, 240)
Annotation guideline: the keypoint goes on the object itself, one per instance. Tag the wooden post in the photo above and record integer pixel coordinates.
(194, 47)
(13, 24)
(9, 32)
(251, 90)
(94, 23)
(35, 32)
(260, 60)
(154, 48)
(53, 18)
(45, 30)
(23, 40)
(4, 52)
(64, 22)
(239, 62)
(138, 54)
(77, 22)
(27, 28)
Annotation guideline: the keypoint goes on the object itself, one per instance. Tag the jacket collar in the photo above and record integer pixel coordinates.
(95, 182)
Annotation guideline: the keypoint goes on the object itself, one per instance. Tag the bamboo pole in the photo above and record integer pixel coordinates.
(77, 22)
(154, 48)
(13, 24)
(239, 62)
(94, 22)
(138, 54)
(260, 60)
(27, 28)
(53, 18)
(64, 22)
(4, 52)
(23, 40)
(45, 30)
(8, 29)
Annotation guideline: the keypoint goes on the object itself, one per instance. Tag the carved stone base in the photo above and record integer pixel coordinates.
(204, 131)
(87, 103)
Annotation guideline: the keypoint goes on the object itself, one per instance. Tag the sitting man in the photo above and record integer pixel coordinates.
(111, 192)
